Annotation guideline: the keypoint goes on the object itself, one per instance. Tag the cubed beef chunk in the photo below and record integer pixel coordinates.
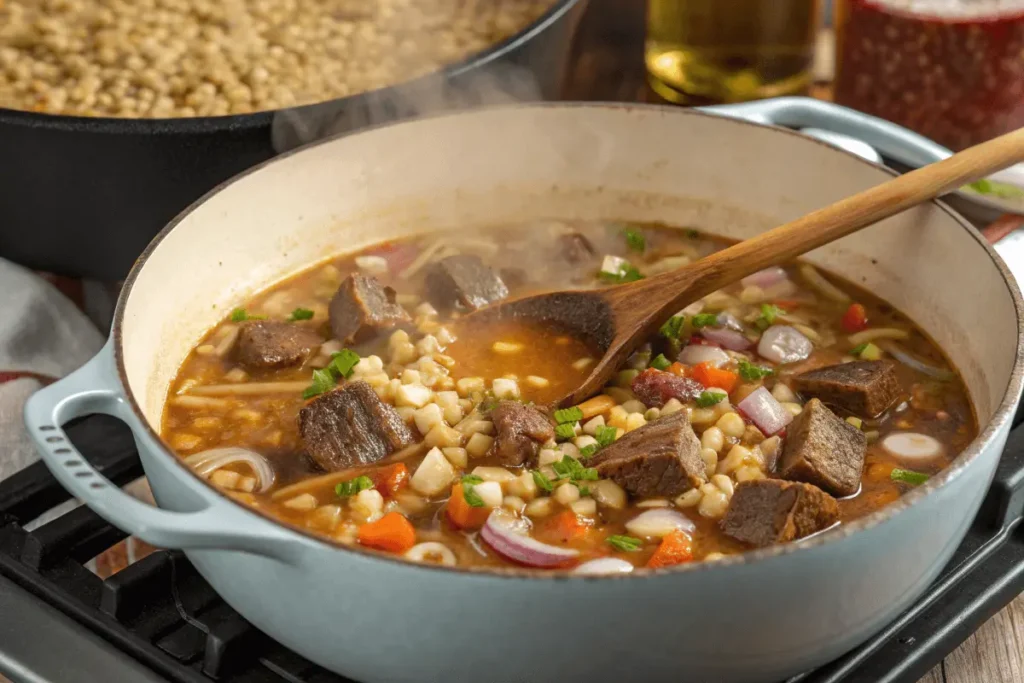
(656, 387)
(351, 426)
(662, 458)
(463, 280)
(575, 248)
(521, 429)
(768, 511)
(824, 450)
(265, 344)
(361, 307)
(864, 388)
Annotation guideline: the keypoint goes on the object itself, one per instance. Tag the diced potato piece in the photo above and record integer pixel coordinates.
(548, 456)
(324, 518)
(368, 504)
(497, 474)
(689, 499)
(608, 494)
(595, 406)
(226, 479)
(478, 445)
(427, 417)
(247, 484)
(566, 494)
(467, 385)
(514, 503)
(523, 486)
(415, 395)
(584, 507)
(671, 406)
(443, 436)
(304, 501)
(537, 382)
(456, 456)
(732, 425)
(541, 507)
(505, 388)
(634, 406)
(490, 492)
(634, 421)
(591, 426)
(411, 377)
(433, 475)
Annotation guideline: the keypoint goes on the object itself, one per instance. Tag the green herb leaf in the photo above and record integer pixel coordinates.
(543, 483)
(301, 314)
(584, 491)
(673, 327)
(751, 373)
(323, 381)
(628, 273)
(709, 398)
(565, 431)
(704, 320)
(343, 363)
(858, 349)
(660, 362)
(996, 189)
(588, 474)
(626, 544)
(769, 312)
(606, 435)
(470, 495)
(908, 476)
(574, 414)
(353, 486)
(635, 240)
(588, 451)
(240, 316)
(570, 468)
(472, 479)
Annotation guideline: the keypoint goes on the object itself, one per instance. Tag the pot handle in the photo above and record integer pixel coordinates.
(94, 388)
(889, 139)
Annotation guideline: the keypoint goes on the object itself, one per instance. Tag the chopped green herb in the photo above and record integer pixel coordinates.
(626, 544)
(565, 431)
(709, 398)
(574, 414)
(343, 363)
(472, 498)
(673, 327)
(323, 381)
(996, 189)
(543, 483)
(606, 435)
(751, 373)
(301, 314)
(635, 240)
(871, 352)
(660, 362)
(589, 474)
(908, 476)
(858, 349)
(627, 273)
(704, 320)
(588, 451)
(353, 486)
(769, 312)
(240, 316)
(570, 468)
(584, 490)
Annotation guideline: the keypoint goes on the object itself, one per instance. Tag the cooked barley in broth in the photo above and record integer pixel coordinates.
(373, 413)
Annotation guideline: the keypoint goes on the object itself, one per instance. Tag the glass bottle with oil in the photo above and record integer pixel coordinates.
(730, 50)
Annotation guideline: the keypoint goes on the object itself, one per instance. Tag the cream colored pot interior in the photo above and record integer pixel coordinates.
(565, 161)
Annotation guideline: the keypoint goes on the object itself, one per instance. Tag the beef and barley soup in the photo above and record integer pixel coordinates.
(358, 402)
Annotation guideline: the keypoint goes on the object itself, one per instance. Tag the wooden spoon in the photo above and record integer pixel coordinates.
(616, 320)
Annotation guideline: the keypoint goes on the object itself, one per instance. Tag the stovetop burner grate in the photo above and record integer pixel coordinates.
(160, 613)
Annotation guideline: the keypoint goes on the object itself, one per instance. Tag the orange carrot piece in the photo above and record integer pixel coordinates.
(565, 526)
(675, 548)
(392, 532)
(710, 376)
(391, 479)
(787, 304)
(463, 515)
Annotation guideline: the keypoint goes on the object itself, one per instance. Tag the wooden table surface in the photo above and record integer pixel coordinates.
(608, 65)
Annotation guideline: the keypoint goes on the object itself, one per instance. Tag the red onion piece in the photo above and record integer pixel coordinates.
(765, 412)
(604, 565)
(765, 278)
(505, 534)
(659, 522)
(694, 354)
(206, 462)
(727, 339)
(784, 344)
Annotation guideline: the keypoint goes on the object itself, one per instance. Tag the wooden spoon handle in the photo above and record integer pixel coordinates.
(837, 220)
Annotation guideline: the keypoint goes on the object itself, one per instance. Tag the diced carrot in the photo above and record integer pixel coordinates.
(391, 479)
(463, 515)
(710, 376)
(392, 532)
(787, 304)
(678, 369)
(564, 527)
(675, 548)
(596, 406)
(855, 319)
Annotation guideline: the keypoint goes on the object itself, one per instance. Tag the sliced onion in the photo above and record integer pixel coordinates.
(507, 535)
(784, 344)
(912, 447)
(728, 321)
(206, 462)
(695, 354)
(658, 522)
(765, 278)
(729, 339)
(919, 365)
(604, 565)
(764, 411)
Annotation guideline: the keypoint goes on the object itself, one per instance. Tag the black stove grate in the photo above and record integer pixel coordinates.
(160, 613)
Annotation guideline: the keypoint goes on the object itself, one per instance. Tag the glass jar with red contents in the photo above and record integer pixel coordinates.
(952, 70)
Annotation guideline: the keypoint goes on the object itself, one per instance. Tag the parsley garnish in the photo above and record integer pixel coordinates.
(660, 362)
(323, 381)
(673, 327)
(301, 314)
(709, 398)
(627, 272)
(908, 476)
(568, 415)
(570, 468)
(751, 373)
(353, 486)
(543, 483)
(858, 349)
(626, 544)
(704, 320)
(565, 431)
(635, 240)
(588, 451)
(343, 363)
(584, 491)
(606, 435)
(768, 314)
(471, 497)
(240, 316)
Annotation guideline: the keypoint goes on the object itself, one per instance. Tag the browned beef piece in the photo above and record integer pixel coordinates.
(768, 511)
(363, 306)
(662, 458)
(575, 248)
(463, 280)
(824, 450)
(265, 344)
(864, 388)
(351, 426)
(656, 387)
(521, 429)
